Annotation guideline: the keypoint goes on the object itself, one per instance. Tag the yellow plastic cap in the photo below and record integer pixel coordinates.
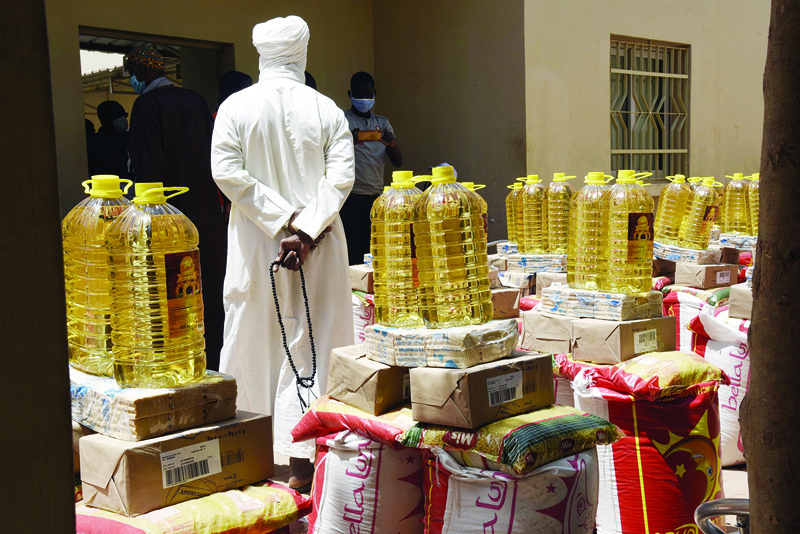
(402, 176)
(561, 177)
(106, 186)
(153, 193)
(387, 187)
(443, 175)
(530, 179)
(626, 176)
(677, 179)
(756, 176)
(472, 186)
(516, 186)
(736, 176)
(595, 178)
(710, 181)
(408, 184)
(694, 180)
(557, 175)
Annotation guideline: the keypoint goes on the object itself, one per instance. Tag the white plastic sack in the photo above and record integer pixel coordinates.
(363, 315)
(364, 486)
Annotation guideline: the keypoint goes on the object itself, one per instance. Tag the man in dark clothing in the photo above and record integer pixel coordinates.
(170, 142)
(108, 148)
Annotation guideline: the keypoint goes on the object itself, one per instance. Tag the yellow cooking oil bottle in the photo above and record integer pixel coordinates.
(394, 254)
(752, 203)
(700, 216)
(472, 186)
(86, 273)
(734, 205)
(672, 203)
(511, 211)
(585, 220)
(626, 247)
(451, 254)
(532, 197)
(519, 218)
(557, 201)
(156, 292)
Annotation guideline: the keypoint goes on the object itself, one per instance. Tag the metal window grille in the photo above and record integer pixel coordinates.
(650, 106)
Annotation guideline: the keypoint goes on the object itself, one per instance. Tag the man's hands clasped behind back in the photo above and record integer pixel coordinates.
(294, 250)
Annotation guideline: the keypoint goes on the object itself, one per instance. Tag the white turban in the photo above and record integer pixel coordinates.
(282, 44)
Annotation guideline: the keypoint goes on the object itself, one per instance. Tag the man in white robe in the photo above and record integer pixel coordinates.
(283, 154)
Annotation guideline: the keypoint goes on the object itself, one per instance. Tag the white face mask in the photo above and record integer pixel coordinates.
(121, 124)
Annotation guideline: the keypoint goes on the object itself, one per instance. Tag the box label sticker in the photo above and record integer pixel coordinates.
(190, 463)
(723, 277)
(406, 386)
(504, 388)
(645, 341)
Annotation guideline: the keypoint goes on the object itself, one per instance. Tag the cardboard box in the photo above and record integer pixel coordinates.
(546, 279)
(78, 431)
(525, 282)
(559, 299)
(706, 276)
(740, 303)
(494, 278)
(497, 261)
(542, 332)
(367, 385)
(133, 478)
(599, 341)
(466, 346)
(505, 301)
(361, 278)
(730, 255)
(663, 267)
(470, 398)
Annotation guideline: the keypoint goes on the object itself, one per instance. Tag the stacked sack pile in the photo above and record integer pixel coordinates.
(161, 447)
(481, 445)
(615, 357)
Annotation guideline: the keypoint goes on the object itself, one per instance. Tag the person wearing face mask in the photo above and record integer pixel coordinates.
(370, 162)
(170, 142)
(108, 148)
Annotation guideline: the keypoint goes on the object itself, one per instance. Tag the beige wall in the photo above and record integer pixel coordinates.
(567, 78)
(341, 43)
(450, 79)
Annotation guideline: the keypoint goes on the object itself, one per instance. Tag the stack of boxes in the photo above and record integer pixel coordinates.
(362, 284)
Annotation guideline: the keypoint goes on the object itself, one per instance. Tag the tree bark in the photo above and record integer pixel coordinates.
(771, 411)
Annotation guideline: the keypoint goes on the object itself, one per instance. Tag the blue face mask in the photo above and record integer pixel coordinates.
(138, 86)
(363, 104)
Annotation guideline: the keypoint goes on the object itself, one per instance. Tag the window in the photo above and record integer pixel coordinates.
(650, 106)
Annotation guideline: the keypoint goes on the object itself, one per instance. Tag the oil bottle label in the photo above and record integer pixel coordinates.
(184, 293)
(640, 236)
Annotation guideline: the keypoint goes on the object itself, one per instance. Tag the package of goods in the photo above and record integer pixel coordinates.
(257, 509)
(684, 307)
(528, 303)
(466, 346)
(661, 282)
(537, 263)
(723, 342)
(498, 262)
(745, 243)
(668, 463)
(599, 341)
(714, 297)
(136, 413)
(404, 347)
(565, 365)
(474, 397)
(677, 254)
(543, 332)
(507, 248)
(78, 431)
(557, 498)
(517, 444)
(494, 278)
(740, 304)
(366, 384)
(362, 485)
(368, 260)
(664, 268)
(505, 302)
(133, 478)
(363, 314)
(362, 278)
(706, 276)
(564, 391)
(547, 279)
(563, 300)
(328, 416)
(525, 282)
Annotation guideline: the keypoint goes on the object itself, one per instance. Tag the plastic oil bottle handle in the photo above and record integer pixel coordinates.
(87, 189)
(475, 187)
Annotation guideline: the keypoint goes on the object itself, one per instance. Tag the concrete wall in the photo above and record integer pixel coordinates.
(341, 43)
(567, 79)
(450, 77)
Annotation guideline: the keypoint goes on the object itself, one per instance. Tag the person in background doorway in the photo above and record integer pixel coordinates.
(231, 82)
(108, 148)
(310, 81)
(370, 163)
(170, 142)
(89, 128)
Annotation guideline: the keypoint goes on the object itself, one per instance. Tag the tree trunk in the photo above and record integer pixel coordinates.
(771, 412)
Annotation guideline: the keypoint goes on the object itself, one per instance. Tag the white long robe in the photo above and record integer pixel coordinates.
(278, 146)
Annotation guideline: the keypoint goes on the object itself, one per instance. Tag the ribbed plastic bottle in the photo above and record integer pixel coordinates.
(474, 188)
(702, 213)
(519, 217)
(585, 218)
(672, 204)
(558, 196)
(511, 212)
(627, 238)
(86, 273)
(451, 254)
(734, 205)
(394, 256)
(156, 293)
(752, 203)
(532, 199)
(694, 182)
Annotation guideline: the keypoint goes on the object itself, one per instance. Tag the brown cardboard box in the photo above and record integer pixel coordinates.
(546, 333)
(663, 267)
(740, 303)
(730, 255)
(78, 431)
(494, 278)
(361, 278)
(473, 397)
(505, 301)
(705, 276)
(133, 478)
(367, 385)
(546, 279)
(600, 341)
(498, 261)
